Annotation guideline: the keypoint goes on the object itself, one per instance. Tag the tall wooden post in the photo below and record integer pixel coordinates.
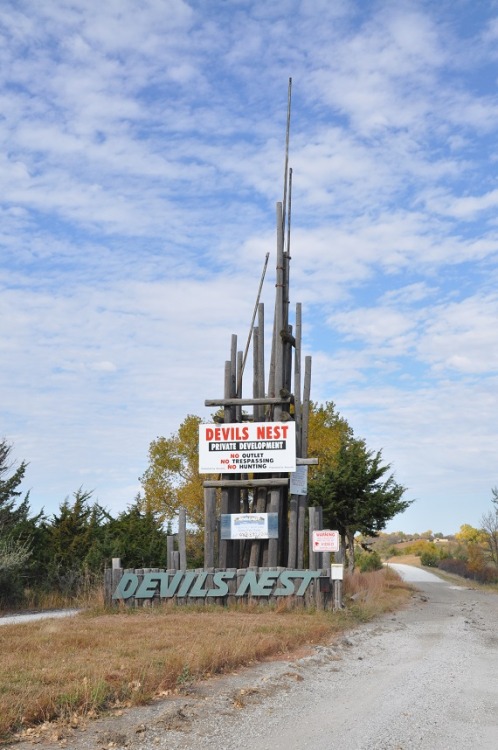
(182, 538)
(209, 527)
(303, 499)
(273, 544)
(292, 553)
(225, 493)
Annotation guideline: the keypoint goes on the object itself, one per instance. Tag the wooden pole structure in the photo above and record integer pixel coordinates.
(287, 139)
(238, 394)
(209, 527)
(260, 492)
(293, 555)
(292, 552)
(273, 544)
(311, 528)
(233, 548)
(270, 493)
(224, 506)
(256, 410)
(306, 405)
(259, 346)
(267, 482)
(297, 381)
(303, 500)
(287, 350)
(279, 315)
(256, 307)
(247, 401)
(182, 538)
(170, 550)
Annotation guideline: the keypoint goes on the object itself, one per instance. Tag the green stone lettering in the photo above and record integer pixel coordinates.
(286, 583)
(148, 587)
(126, 587)
(169, 587)
(189, 576)
(261, 587)
(197, 589)
(248, 582)
(308, 576)
(267, 581)
(191, 583)
(219, 580)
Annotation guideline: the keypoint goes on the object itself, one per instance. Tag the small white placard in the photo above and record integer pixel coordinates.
(337, 571)
(299, 481)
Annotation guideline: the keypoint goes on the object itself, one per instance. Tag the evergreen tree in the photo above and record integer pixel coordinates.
(355, 494)
(16, 528)
(75, 543)
(138, 537)
(11, 517)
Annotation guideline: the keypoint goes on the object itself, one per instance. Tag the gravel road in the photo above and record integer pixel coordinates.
(30, 616)
(425, 678)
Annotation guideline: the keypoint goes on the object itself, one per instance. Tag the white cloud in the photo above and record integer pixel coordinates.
(143, 155)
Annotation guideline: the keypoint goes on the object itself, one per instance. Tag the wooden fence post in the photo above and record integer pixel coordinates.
(170, 548)
(209, 527)
(182, 538)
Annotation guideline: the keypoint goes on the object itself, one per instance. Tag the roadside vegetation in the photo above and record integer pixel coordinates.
(471, 553)
(58, 559)
(67, 671)
(55, 674)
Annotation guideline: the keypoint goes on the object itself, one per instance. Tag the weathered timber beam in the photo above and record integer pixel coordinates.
(270, 482)
(288, 338)
(246, 401)
(306, 461)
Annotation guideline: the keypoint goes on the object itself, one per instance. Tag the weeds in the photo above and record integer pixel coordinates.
(185, 677)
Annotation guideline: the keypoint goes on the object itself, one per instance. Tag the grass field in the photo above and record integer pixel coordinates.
(62, 670)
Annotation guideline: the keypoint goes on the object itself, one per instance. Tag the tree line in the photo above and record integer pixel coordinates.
(68, 550)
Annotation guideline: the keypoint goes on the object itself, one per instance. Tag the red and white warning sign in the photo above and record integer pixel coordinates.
(325, 540)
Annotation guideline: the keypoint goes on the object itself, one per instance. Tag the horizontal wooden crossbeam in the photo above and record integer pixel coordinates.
(270, 482)
(247, 401)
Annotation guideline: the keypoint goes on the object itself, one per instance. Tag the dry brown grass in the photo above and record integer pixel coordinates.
(59, 669)
(371, 594)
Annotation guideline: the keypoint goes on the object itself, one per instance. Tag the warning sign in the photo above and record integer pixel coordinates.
(247, 448)
(325, 541)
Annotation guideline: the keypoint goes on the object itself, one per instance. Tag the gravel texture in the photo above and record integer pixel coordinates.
(425, 678)
(30, 616)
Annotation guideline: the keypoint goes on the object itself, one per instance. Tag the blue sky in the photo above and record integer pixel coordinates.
(143, 151)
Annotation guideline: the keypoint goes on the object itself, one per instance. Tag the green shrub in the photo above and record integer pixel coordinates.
(419, 547)
(430, 559)
(366, 561)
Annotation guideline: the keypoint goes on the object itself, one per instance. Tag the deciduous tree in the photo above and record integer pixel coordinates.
(489, 522)
(172, 480)
(327, 430)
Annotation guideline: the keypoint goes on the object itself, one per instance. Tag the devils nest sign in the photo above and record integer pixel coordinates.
(252, 447)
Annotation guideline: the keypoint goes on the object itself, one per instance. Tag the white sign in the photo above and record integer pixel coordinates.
(299, 481)
(325, 540)
(251, 447)
(249, 526)
(337, 571)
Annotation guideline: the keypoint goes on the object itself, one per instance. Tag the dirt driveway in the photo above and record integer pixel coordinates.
(425, 678)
